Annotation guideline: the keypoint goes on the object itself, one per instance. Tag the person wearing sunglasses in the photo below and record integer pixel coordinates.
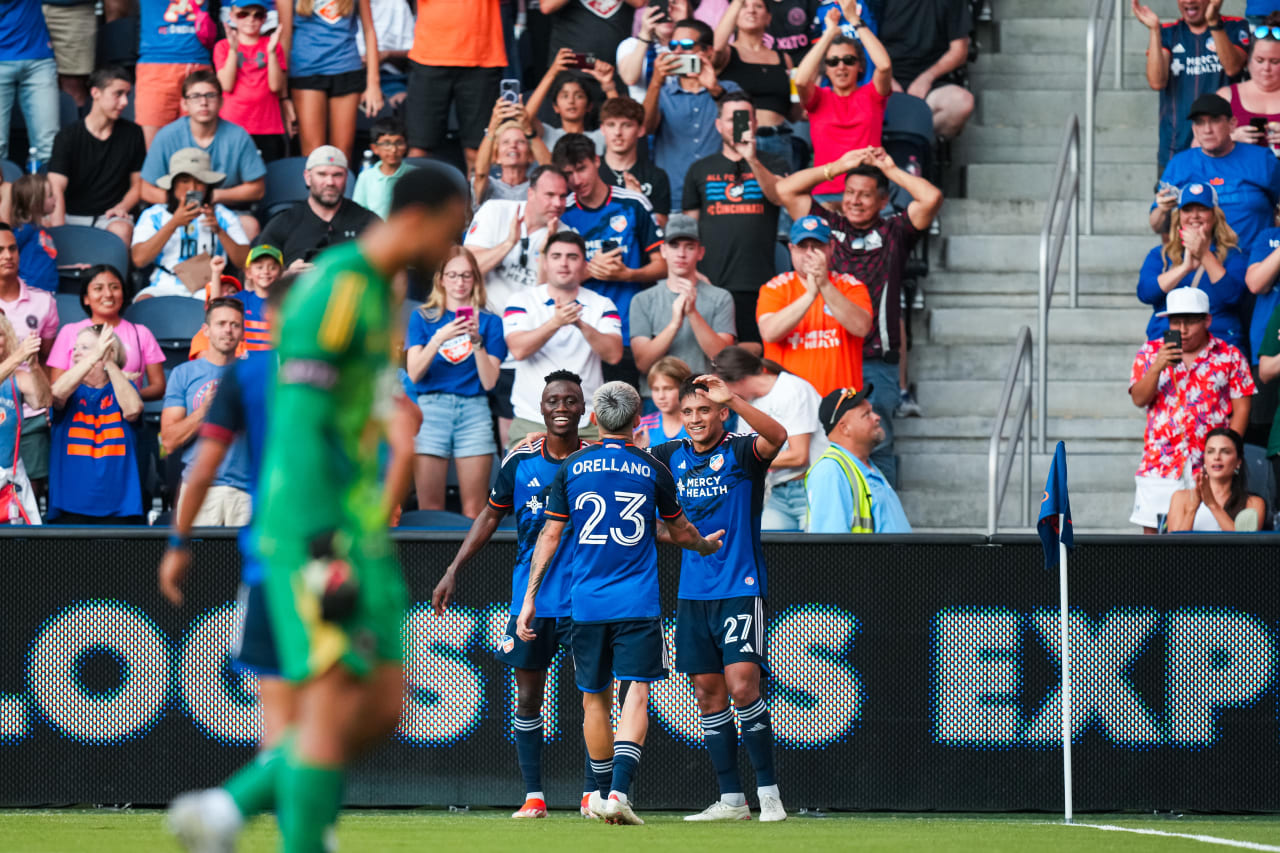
(847, 116)
(1255, 103)
(846, 492)
(1210, 51)
(251, 69)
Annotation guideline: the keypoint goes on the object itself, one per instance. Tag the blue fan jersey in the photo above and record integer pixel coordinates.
(722, 489)
(523, 484)
(612, 493)
(240, 407)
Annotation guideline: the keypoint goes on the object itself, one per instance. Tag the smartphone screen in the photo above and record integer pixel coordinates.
(741, 124)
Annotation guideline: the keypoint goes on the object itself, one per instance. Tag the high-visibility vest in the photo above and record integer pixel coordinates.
(861, 521)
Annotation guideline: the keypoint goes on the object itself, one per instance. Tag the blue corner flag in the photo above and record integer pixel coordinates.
(1053, 504)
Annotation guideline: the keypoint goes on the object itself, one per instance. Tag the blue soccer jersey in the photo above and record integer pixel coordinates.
(722, 489)
(612, 494)
(522, 487)
(240, 408)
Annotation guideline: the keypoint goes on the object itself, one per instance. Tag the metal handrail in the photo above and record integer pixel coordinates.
(1061, 214)
(998, 470)
(1095, 39)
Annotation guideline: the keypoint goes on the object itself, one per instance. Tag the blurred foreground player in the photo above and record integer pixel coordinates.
(523, 483)
(335, 593)
(611, 495)
(720, 612)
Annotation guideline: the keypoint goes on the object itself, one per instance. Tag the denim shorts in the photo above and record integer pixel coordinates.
(454, 426)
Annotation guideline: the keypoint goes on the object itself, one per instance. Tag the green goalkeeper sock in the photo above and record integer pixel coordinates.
(253, 786)
(308, 801)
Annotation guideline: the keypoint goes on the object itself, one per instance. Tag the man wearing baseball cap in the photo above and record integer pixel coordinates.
(846, 491)
(1246, 177)
(1190, 382)
(680, 315)
(326, 218)
(812, 320)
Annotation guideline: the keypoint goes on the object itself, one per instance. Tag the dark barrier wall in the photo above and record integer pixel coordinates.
(909, 673)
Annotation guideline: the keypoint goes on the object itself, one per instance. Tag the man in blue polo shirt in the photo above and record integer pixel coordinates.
(612, 495)
(29, 74)
(1246, 177)
(846, 491)
(720, 613)
(1197, 54)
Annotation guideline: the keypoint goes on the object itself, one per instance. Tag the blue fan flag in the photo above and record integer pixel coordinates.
(1054, 503)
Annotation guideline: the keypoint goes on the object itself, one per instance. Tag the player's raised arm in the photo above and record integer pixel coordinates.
(684, 534)
(548, 542)
(770, 435)
(478, 536)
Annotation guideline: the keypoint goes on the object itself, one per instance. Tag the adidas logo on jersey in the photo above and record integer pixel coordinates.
(534, 484)
(680, 467)
(747, 648)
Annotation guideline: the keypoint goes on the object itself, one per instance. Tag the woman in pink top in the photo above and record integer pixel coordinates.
(102, 296)
(251, 70)
(847, 116)
(1258, 98)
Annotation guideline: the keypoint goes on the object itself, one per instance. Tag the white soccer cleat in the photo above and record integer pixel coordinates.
(205, 821)
(771, 809)
(593, 806)
(532, 809)
(720, 810)
(618, 812)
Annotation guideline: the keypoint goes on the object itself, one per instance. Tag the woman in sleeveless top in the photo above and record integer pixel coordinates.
(1219, 498)
(1258, 99)
(762, 72)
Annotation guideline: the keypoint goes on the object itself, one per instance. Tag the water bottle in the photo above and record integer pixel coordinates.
(368, 160)
(913, 166)
(33, 161)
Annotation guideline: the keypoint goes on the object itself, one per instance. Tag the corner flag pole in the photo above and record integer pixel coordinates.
(1066, 675)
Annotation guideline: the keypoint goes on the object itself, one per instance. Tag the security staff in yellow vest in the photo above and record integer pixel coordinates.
(846, 491)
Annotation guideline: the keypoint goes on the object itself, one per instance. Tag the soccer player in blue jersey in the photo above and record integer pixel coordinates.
(523, 483)
(610, 496)
(720, 611)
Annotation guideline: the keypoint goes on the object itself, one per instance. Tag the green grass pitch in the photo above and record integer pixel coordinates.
(133, 831)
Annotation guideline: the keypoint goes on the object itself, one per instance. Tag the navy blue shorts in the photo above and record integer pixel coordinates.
(630, 650)
(553, 634)
(254, 649)
(710, 635)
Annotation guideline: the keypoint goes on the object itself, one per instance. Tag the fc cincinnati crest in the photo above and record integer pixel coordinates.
(717, 462)
(506, 644)
(618, 223)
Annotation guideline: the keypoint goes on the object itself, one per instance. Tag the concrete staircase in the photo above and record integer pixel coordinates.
(984, 280)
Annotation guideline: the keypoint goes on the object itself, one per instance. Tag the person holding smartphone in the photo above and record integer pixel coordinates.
(1201, 250)
(455, 349)
(1255, 103)
(182, 235)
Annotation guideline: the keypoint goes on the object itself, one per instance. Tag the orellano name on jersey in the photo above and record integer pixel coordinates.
(701, 487)
(606, 464)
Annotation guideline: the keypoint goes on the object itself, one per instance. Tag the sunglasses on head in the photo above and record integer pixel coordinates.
(260, 14)
(1262, 32)
(687, 44)
(845, 394)
(833, 61)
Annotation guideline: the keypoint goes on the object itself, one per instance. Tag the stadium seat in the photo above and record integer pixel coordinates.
(173, 320)
(1260, 480)
(70, 309)
(68, 111)
(285, 186)
(11, 170)
(81, 246)
(436, 519)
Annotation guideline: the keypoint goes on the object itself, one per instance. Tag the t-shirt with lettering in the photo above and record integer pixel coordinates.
(1194, 70)
(1247, 180)
(737, 224)
(818, 349)
(453, 370)
(250, 103)
(627, 219)
(613, 493)
(523, 484)
(167, 33)
(721, 489)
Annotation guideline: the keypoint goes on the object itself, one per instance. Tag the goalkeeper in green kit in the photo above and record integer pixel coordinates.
(334, 590)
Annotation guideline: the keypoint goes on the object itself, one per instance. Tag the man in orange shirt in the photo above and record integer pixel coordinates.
(457, 57)
(812, 321)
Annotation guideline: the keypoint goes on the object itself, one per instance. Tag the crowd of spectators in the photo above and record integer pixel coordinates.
(1205, 376)
(661, 190)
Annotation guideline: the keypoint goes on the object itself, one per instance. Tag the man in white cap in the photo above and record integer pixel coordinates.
(1190, 383)
(326, 218)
